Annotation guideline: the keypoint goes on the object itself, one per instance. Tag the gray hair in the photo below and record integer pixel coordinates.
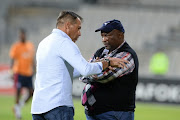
(67, 16)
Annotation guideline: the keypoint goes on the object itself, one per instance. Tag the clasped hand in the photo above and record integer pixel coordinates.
(114, 62)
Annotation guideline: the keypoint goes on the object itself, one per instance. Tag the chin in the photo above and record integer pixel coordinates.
(107, 48)
(74, 40)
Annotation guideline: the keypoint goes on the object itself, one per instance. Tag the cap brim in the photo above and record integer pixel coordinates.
(98, 29)
(103, 29)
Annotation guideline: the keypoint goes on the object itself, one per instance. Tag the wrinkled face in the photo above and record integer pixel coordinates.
(74, 30)
(112, 40)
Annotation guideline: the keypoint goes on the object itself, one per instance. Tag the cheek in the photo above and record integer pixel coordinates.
(72, 29)
(112, 43)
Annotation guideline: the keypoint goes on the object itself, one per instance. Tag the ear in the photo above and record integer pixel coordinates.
(121, 34)
(67, 25)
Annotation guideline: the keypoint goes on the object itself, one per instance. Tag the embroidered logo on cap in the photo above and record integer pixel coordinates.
(106, 23)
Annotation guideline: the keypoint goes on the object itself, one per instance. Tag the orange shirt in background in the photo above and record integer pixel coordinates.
(23, 56)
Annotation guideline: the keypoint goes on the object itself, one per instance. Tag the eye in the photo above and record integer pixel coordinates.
(79, 28)
(105, 35)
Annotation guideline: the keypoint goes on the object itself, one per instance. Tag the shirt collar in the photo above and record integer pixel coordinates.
(60, 32)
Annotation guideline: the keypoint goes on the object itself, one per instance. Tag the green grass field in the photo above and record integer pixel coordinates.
(143, 111)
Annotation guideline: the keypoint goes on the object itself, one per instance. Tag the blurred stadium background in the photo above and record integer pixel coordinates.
(149, 24)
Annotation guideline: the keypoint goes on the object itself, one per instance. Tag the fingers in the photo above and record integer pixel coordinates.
(124, 61)
(97, 59)
(122, 64)
(111, 68)
(121, 60)
(117, 62)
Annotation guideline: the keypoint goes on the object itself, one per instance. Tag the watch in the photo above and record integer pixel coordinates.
(107, 60)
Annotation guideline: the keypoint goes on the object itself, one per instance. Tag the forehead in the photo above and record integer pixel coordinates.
(110, 33)
(78, 21)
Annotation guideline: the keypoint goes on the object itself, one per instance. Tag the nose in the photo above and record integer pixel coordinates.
(79, 33)
(104, 39)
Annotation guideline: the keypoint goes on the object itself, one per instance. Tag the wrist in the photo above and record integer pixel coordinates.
(105, 65)
(108, 61)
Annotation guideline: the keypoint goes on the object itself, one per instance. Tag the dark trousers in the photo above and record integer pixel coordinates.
(112, 115)
(59, 113)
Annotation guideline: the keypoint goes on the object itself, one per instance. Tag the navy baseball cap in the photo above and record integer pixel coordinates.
(108, 26)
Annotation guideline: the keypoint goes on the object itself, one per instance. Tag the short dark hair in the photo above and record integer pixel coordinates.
(67, 15)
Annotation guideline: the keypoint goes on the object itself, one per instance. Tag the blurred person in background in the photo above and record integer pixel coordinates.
(111, 94)
(22, 65)
(159, 63)
(58, 61)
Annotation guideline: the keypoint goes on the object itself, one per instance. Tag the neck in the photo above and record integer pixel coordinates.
(62, 29)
